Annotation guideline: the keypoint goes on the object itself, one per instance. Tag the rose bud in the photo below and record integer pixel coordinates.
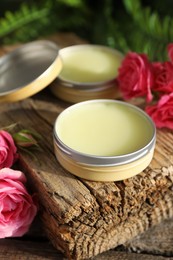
(26, 138)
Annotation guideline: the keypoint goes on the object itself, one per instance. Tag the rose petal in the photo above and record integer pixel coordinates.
(11, 174)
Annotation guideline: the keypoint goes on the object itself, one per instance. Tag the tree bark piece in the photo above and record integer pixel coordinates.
(42, 250)
(84, 218)
(156, 240)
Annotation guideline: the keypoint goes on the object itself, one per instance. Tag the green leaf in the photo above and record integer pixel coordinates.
(153, 33)
(25, 15)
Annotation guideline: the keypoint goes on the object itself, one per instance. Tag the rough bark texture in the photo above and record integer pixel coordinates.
(157, 240)
(83, 218)
(40, 250)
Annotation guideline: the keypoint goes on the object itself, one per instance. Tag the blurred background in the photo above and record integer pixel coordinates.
(137, 25)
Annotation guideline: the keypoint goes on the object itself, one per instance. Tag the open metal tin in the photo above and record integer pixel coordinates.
(89, 72)
(28, 69)
(128, 133)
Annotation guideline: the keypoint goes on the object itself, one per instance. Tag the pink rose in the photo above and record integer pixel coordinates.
(163, 73)
(8, 150)
(170, 51)
(162, 112)
(17, 209)
(135, 76)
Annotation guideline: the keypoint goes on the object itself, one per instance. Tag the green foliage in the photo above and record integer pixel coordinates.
(150, 34)
(13, 25)
(36, 20)
(75, 3)
(125, 25)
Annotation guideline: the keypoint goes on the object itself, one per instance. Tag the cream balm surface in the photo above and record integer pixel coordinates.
(89, 63)
(104, 128)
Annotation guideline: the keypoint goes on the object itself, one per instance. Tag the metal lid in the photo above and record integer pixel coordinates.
(28, 69)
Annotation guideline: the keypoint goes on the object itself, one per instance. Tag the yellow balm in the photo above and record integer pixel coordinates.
(104, 129)
(104, 140)
(89, 64)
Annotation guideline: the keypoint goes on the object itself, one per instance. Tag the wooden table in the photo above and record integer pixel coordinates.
(156, 243)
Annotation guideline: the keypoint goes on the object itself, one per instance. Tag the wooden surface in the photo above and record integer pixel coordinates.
(85, 218)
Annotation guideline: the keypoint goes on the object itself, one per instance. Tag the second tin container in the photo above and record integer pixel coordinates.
(89, 72)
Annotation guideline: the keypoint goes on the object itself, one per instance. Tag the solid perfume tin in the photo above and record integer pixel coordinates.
(104, 140)
(89, 72)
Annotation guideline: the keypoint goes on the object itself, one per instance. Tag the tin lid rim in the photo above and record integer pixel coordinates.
(52, 72)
